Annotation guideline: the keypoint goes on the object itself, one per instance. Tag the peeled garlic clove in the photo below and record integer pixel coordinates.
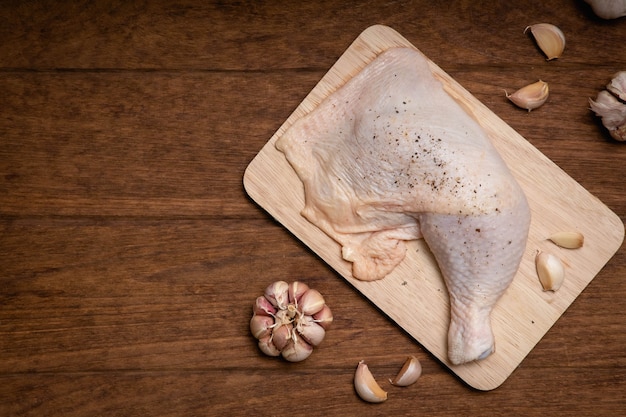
(569, 240)
(267, 346)
(613, 114)
(312, 332)
(366, 386)
(324, 317)
(297, 350)
(531, 96)
(409, 374)
(261, 326)
(296, 289)
(311, 302)
(549, 38)
(617, 85)
(550, 271)
(278, 294)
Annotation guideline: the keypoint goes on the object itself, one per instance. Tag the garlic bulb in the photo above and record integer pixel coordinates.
(290, 320)
(608, 9)
(610, 105)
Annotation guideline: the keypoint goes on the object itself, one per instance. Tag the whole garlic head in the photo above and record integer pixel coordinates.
(289, 320)
(610, 105)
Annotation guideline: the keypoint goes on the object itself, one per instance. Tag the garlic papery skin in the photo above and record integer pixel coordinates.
(290, 320)
(296, 289)
(261, 326)
(297, 349)
(550, 271)
(263, 306)
(366, 386)
(549, 38)
(617, 85)
(613, 114)
(568, 240)
(324, 317)
(266, 345)
(281, 335)
(312, 332)
(409, 374)
(278, 294)
(608, 9)
(311, 302)
(531, 96)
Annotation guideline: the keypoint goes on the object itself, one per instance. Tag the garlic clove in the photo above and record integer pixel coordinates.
(312, 332)
(608, 9)
(267, 346)
(568, 240)
(617, 85)
(281, 335)
(311, 302)
(297, 350)
(366, 386)
(324, 317)
(278, 294)
(550, 271)
(261, 326)
(262, 306)
(549, 38)
(531, 96)
(296, 289)
(409, 374)
(613, 114)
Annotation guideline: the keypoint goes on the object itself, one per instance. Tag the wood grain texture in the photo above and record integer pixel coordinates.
(130, 254)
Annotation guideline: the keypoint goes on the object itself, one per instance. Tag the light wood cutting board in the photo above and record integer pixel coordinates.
(414, 294)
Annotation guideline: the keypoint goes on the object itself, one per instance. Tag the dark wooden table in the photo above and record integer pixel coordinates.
(130, 253)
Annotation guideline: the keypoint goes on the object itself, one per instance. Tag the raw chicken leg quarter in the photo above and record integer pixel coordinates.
(391, 157)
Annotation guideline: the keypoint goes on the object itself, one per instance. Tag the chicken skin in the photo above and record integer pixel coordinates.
(391, 157)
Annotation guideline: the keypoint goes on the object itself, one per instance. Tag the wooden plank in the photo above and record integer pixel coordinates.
(525, 313)
(265, 36)
(133, 143)
(238, 391)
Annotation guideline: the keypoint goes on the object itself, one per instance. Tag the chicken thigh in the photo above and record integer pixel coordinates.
(391, 157)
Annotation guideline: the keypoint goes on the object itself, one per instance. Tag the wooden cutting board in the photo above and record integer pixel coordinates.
(414, 294)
